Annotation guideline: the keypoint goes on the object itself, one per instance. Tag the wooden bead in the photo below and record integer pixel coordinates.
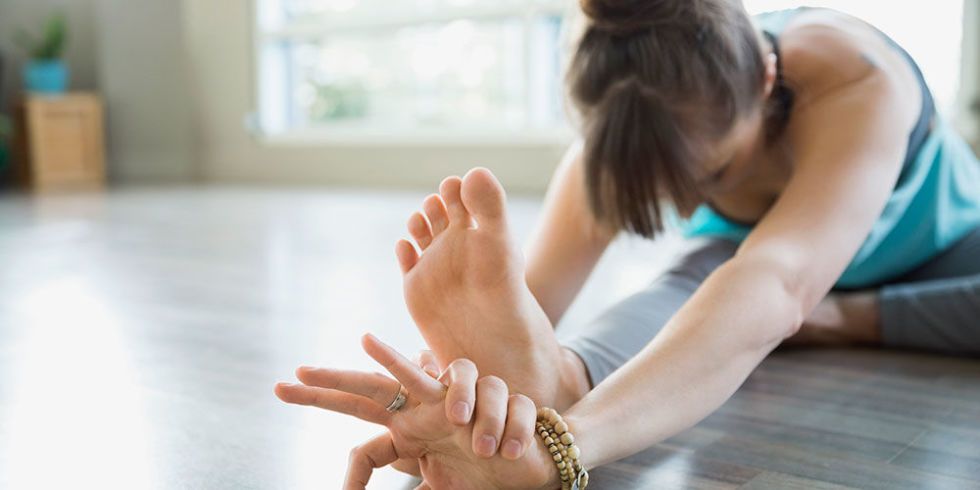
(573, 452)
(557, 457)
(567, 438)
(549, 441)
(561, 465)
(552, 449)
(561, 427)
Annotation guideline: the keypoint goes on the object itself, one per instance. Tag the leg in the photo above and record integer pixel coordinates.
(622, 331)
(938, 307)
(925, 308)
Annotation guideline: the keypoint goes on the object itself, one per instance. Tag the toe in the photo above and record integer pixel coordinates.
(407, 256)
(450, 192)
(418, 227)
(435, 211)
(484, 197)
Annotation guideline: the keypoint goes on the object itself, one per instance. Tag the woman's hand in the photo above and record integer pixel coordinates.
(434, 426)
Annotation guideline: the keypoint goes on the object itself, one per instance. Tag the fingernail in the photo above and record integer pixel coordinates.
(487, 445)
(461, 412)
(512, 449)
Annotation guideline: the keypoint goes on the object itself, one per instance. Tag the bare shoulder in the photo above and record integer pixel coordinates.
(828, 54)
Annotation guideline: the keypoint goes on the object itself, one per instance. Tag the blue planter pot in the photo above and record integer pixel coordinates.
(46, 76)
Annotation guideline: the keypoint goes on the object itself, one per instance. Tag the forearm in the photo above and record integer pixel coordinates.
(559, 263)
(697, 362)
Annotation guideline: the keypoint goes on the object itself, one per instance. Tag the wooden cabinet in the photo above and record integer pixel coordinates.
(61, 142)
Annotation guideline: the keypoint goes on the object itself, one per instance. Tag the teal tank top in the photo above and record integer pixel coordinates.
(935, 202)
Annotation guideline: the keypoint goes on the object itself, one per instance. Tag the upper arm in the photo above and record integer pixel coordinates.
(848, 154)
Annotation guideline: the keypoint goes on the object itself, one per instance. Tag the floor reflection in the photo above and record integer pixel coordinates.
(76, 413)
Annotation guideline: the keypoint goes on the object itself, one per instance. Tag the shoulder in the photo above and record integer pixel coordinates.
(827, 54)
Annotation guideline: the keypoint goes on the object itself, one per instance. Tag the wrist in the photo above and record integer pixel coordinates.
(573, 380)
(578, 426)
(563, 452)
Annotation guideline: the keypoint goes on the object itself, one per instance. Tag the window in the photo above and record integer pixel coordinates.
(483, 70)
(410, 67)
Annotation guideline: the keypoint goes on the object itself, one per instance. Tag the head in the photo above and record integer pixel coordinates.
(672, 99)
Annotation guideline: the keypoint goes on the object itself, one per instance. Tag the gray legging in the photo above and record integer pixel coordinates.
(936, 306)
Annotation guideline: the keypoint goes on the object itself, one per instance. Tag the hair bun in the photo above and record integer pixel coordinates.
(633, 15)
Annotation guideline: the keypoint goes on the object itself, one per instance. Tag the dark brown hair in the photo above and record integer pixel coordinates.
(655, 83)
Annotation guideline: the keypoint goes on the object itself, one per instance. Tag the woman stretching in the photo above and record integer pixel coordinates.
(801, 153)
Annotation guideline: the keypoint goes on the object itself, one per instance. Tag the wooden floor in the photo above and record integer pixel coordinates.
(141, 333)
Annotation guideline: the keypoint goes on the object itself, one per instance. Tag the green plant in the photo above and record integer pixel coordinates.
(51, 44)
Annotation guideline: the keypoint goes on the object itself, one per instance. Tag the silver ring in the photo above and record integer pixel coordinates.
(399, 400)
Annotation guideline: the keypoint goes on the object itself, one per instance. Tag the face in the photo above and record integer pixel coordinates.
(730, 162)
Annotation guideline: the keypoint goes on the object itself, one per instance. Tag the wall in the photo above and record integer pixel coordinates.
(131, 51)
(218, 35)
(143, 74)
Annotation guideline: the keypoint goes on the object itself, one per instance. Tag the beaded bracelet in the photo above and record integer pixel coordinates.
(553, 431)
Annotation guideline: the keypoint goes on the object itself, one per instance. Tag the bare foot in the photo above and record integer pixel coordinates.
(467, 293)
(841, 319)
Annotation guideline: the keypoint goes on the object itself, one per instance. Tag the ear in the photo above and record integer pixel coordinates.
(770, 62)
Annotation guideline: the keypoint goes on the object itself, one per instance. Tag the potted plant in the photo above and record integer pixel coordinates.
(46, 72)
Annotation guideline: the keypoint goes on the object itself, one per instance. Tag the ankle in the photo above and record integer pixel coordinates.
(862, 316)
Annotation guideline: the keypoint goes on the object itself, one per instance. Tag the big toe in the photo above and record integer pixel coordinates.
(484, 197)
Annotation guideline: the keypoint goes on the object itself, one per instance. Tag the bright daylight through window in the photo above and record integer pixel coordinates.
(439, 69)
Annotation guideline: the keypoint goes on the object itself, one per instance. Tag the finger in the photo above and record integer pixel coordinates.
(519, 429)
(491, 412)
(335, 401)
(376, 453)
(378, 387)
(423, 486)
(460, 377)
(427, 359)
(418, 384)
